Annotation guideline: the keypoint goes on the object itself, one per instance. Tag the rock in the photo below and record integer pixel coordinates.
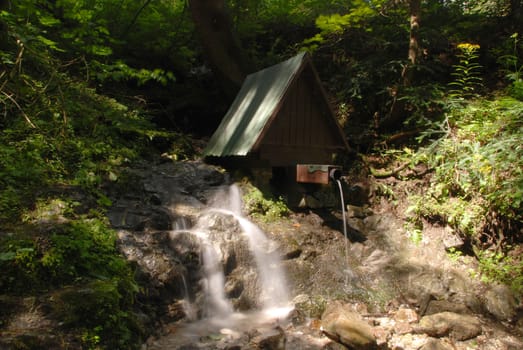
(451, 240)
(155, 199)
(407, 341)
(292, 254)
(404, 317)
(358, 193)
(459, 327)
(354, 211)
(436, 344)
(347, 327)
(376, 261)
(500, 302)
(214, 177)
(308, 307)
(309, 201)
(438, 306)
(158, 220)
(270, 339)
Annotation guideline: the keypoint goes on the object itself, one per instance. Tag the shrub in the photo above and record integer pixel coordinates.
(477, 181)
(266, 208)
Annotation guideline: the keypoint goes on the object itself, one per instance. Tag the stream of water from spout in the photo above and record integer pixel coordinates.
(347, 271)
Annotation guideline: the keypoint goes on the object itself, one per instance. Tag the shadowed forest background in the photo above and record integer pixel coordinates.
(428, 90)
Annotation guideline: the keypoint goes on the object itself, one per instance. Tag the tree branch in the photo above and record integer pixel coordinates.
(135, 18)
(20, 109)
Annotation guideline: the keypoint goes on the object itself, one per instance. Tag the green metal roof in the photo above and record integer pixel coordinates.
(252, 108)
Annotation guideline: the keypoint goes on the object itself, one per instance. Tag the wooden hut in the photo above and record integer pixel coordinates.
(281, 117)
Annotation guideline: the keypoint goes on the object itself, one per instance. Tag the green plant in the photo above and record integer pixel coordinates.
(477, 166)
(76, 250)
(98, 309)
(454, 254)
(92, 284)
(498, 267)
(414, 229)
(513, 69)
(467, 80)
(476, 184)
(257, 205)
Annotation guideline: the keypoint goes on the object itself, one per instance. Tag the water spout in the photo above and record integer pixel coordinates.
(335, 174)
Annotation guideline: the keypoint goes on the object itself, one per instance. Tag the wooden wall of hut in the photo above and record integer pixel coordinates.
(301, 130)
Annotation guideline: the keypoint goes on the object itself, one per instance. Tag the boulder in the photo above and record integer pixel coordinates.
(270, 339)
(501, 302)
(345, 326)
(459, 327)
(437, 306)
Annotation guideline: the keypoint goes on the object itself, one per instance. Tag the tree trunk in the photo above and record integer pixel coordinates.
(4, 5)
(397, 113)
(228, 62)
(415, 9)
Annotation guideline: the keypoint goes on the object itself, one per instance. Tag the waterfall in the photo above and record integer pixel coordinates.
(213, 282)
(273, 293)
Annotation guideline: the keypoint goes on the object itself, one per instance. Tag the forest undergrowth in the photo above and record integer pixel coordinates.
(67, 139)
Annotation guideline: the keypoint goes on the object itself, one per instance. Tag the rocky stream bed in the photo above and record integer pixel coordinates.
(380, 291)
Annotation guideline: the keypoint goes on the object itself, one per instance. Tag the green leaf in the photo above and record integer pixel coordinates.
(49, 43)
(7, 256)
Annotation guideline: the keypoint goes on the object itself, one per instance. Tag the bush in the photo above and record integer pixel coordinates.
(93, 286)
(76, 250)
(265, 208)
(477, 182)
(97, 309)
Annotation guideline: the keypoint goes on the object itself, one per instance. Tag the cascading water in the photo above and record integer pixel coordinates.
(213, 282)
(273, 295)
(188, 307)
(274, 292)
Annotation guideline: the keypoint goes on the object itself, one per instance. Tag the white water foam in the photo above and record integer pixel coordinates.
(274, 295)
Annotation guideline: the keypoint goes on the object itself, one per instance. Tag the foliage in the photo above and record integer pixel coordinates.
(414, 230)
(60, 131)
(258, 205)
(358, 14)
(513, 68)
(477, 181)
(56, 129)
(97, 309)
(466, 73)
(499, 267)
(481, 156)
(57, 134)
(79, 249)
(81, 255)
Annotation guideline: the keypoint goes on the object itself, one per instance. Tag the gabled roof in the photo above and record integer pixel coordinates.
(254, 108)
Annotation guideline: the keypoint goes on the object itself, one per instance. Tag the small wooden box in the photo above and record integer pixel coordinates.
(315, 173)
